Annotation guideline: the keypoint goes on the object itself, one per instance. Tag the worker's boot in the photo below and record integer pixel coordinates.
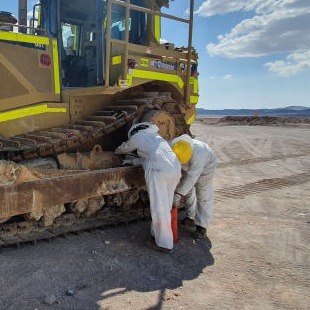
(152, 245)
(188, 222)
(200, 232)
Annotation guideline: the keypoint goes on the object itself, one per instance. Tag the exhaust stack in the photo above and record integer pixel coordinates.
(22, 15)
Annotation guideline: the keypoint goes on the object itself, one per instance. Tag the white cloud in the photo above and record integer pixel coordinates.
(30, 8)
(30, 13)
(228, 77)
(278, 27)
(294, 64)
(213, 7)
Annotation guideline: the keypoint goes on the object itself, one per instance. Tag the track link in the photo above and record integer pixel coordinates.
(53, 141)
(22, 231)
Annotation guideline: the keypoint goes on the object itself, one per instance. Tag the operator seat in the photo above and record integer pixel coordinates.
(90, 63)
(70, 45)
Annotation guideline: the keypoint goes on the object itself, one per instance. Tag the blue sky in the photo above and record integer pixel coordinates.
(252, 53)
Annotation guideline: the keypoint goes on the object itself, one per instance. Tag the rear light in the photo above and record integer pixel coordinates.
(45, 60)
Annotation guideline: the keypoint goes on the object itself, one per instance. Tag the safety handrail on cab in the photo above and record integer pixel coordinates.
(44, 31)
(125, 42)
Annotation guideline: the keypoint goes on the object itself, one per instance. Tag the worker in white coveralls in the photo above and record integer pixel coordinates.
(162, 172)
(196, 185)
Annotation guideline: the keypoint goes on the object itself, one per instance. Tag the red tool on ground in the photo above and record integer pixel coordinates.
(174, 223)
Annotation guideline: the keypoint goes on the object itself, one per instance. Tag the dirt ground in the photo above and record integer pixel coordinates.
(257, 255)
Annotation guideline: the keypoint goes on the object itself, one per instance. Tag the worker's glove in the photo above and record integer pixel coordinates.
(177, 200)
(127, 162)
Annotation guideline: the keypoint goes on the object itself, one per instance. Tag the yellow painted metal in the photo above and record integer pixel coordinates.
(25, 38)
(9, 65)
(116, 60)
(21, 113)
(129, 80)
(56, 67)
(194, 99)
(194, 81)
(158, 76)
(157, 28)
(75, 43)
(144, 62)
(191, 119)
(24, 79)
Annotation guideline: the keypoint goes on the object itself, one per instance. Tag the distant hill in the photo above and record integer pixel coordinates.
(288, 111)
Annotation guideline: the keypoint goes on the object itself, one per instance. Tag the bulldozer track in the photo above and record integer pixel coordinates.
(23, 232)
(31, 232)
(61, 139)
(241, 191)
(52, 141)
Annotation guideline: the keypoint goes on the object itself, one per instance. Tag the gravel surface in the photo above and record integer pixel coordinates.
(256, 256)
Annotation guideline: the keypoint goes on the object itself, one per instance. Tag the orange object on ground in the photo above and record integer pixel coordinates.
(174, 223)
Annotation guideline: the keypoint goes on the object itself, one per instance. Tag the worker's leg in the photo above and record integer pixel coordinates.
(159, 187)
(172, 180)
(204, 194)
(190, 204)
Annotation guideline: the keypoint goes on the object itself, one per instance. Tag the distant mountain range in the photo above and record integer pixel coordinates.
(288, 111)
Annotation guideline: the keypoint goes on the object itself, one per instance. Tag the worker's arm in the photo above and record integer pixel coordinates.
(132, 161)
(127, 147)
(190, 177)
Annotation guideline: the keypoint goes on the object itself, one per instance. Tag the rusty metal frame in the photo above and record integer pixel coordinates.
(24, 197)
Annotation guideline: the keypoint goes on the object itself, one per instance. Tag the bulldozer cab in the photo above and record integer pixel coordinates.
(82, 35)
(78, 26)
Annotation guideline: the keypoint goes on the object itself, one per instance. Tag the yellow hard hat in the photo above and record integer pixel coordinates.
(182, 146)
(183, 150)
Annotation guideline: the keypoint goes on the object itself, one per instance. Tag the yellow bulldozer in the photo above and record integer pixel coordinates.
(73, 79)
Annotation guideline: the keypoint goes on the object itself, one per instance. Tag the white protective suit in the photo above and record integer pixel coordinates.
(162, 173)
(197, 184)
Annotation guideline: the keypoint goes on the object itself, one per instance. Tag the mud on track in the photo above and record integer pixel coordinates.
(257, 256)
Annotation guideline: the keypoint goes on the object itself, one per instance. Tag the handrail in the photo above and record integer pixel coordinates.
(22, 26)
(127, 16)
(148, 11)
(108, 44)
(189, 53)
(126, 43)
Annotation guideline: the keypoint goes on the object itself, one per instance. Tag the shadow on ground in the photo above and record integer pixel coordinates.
(96, 267)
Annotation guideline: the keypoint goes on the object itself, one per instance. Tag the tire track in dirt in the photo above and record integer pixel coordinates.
(243, 150)
(258, 160)
(239, 192)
